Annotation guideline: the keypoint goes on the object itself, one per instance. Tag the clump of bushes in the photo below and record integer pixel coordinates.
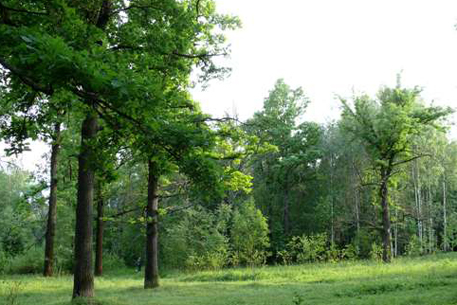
(29, 262)
(249, 236)
(201, 239)
(315, 248)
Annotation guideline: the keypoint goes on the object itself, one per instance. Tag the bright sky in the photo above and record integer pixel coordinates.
(331, 47)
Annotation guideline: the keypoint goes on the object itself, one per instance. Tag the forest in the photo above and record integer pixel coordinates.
(140, 188)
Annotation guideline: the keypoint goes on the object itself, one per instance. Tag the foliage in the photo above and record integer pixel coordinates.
(29, 262)
(249, 235)
(376, 252)
(278, 174)
(306, 249)
(414, 247)
(196, 240)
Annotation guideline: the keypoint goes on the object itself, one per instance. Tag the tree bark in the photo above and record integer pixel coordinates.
(445, 241)
(100, 230)
(286, 219)
(51, 225)
(386, 240)
(83, 285)
(396, 234)
(151, 272)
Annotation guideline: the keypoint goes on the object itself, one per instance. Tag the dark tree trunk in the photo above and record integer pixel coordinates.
(51, 225)
(100, 228)
(386, 227)
(151, 272)
(286, 220)
(83, 277)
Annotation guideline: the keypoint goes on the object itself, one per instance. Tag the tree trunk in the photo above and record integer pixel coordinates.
(396, 234)
(420, 224)
(386, 240)
(357, 210)
(100, 229)
(83, 285)
(51, 225)
(286, 216)
(445, 241)
(151, 272)
(332, 224)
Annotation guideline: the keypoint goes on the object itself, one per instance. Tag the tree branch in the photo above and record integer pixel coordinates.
(133, 6)
(25, 79)
(411, 159)
(18, 10)
(196, 56)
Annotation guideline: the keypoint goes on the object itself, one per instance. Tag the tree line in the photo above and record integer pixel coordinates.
(106, 84)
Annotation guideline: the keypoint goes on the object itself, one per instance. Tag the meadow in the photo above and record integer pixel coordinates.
(424, 280)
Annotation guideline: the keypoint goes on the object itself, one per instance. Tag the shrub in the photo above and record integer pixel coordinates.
(333, 254)
(64, 260)
(350, 252)
(112, 261)
(376, 252)
(249, 235)
(196, 241)
(363, 241)
(284, 257)
(306, 249)
(30, 261)
(212, 260)
(3, 262)
(414, 248)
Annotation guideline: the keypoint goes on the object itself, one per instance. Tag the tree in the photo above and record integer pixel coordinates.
(111, 56)
(277, 173)
(24, 116)
(385, 126)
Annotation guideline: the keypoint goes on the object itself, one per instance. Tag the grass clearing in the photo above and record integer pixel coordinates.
(430, 280)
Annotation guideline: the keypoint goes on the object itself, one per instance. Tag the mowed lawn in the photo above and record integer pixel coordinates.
(428, 280)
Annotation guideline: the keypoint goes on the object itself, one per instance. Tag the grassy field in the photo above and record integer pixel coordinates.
(427, 280)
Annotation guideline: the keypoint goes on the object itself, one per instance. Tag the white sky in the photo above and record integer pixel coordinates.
(333, 47)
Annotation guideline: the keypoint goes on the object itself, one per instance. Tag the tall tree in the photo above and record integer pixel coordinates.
(112, 56)
(279, 124)
(385, 126)
(52, 213)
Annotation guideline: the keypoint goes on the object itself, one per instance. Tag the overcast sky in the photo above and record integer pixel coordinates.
(331, 47)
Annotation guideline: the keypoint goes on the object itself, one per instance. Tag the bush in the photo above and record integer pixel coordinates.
(112, 261)
(63, 260)
(350, 252)
(30, 261)
(196, 240)
(284, 257)
(249, 236)
(363, 241)
(306, 249)
(3, 262)
(212, 260)
(413, 248)
(333, 254)
(376, 252)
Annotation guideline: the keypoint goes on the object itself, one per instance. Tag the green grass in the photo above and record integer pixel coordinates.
(430, 280)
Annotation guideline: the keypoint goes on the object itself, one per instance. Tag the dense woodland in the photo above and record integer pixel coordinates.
(138, 176)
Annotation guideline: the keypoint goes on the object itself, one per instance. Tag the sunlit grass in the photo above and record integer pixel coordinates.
(427, 280)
